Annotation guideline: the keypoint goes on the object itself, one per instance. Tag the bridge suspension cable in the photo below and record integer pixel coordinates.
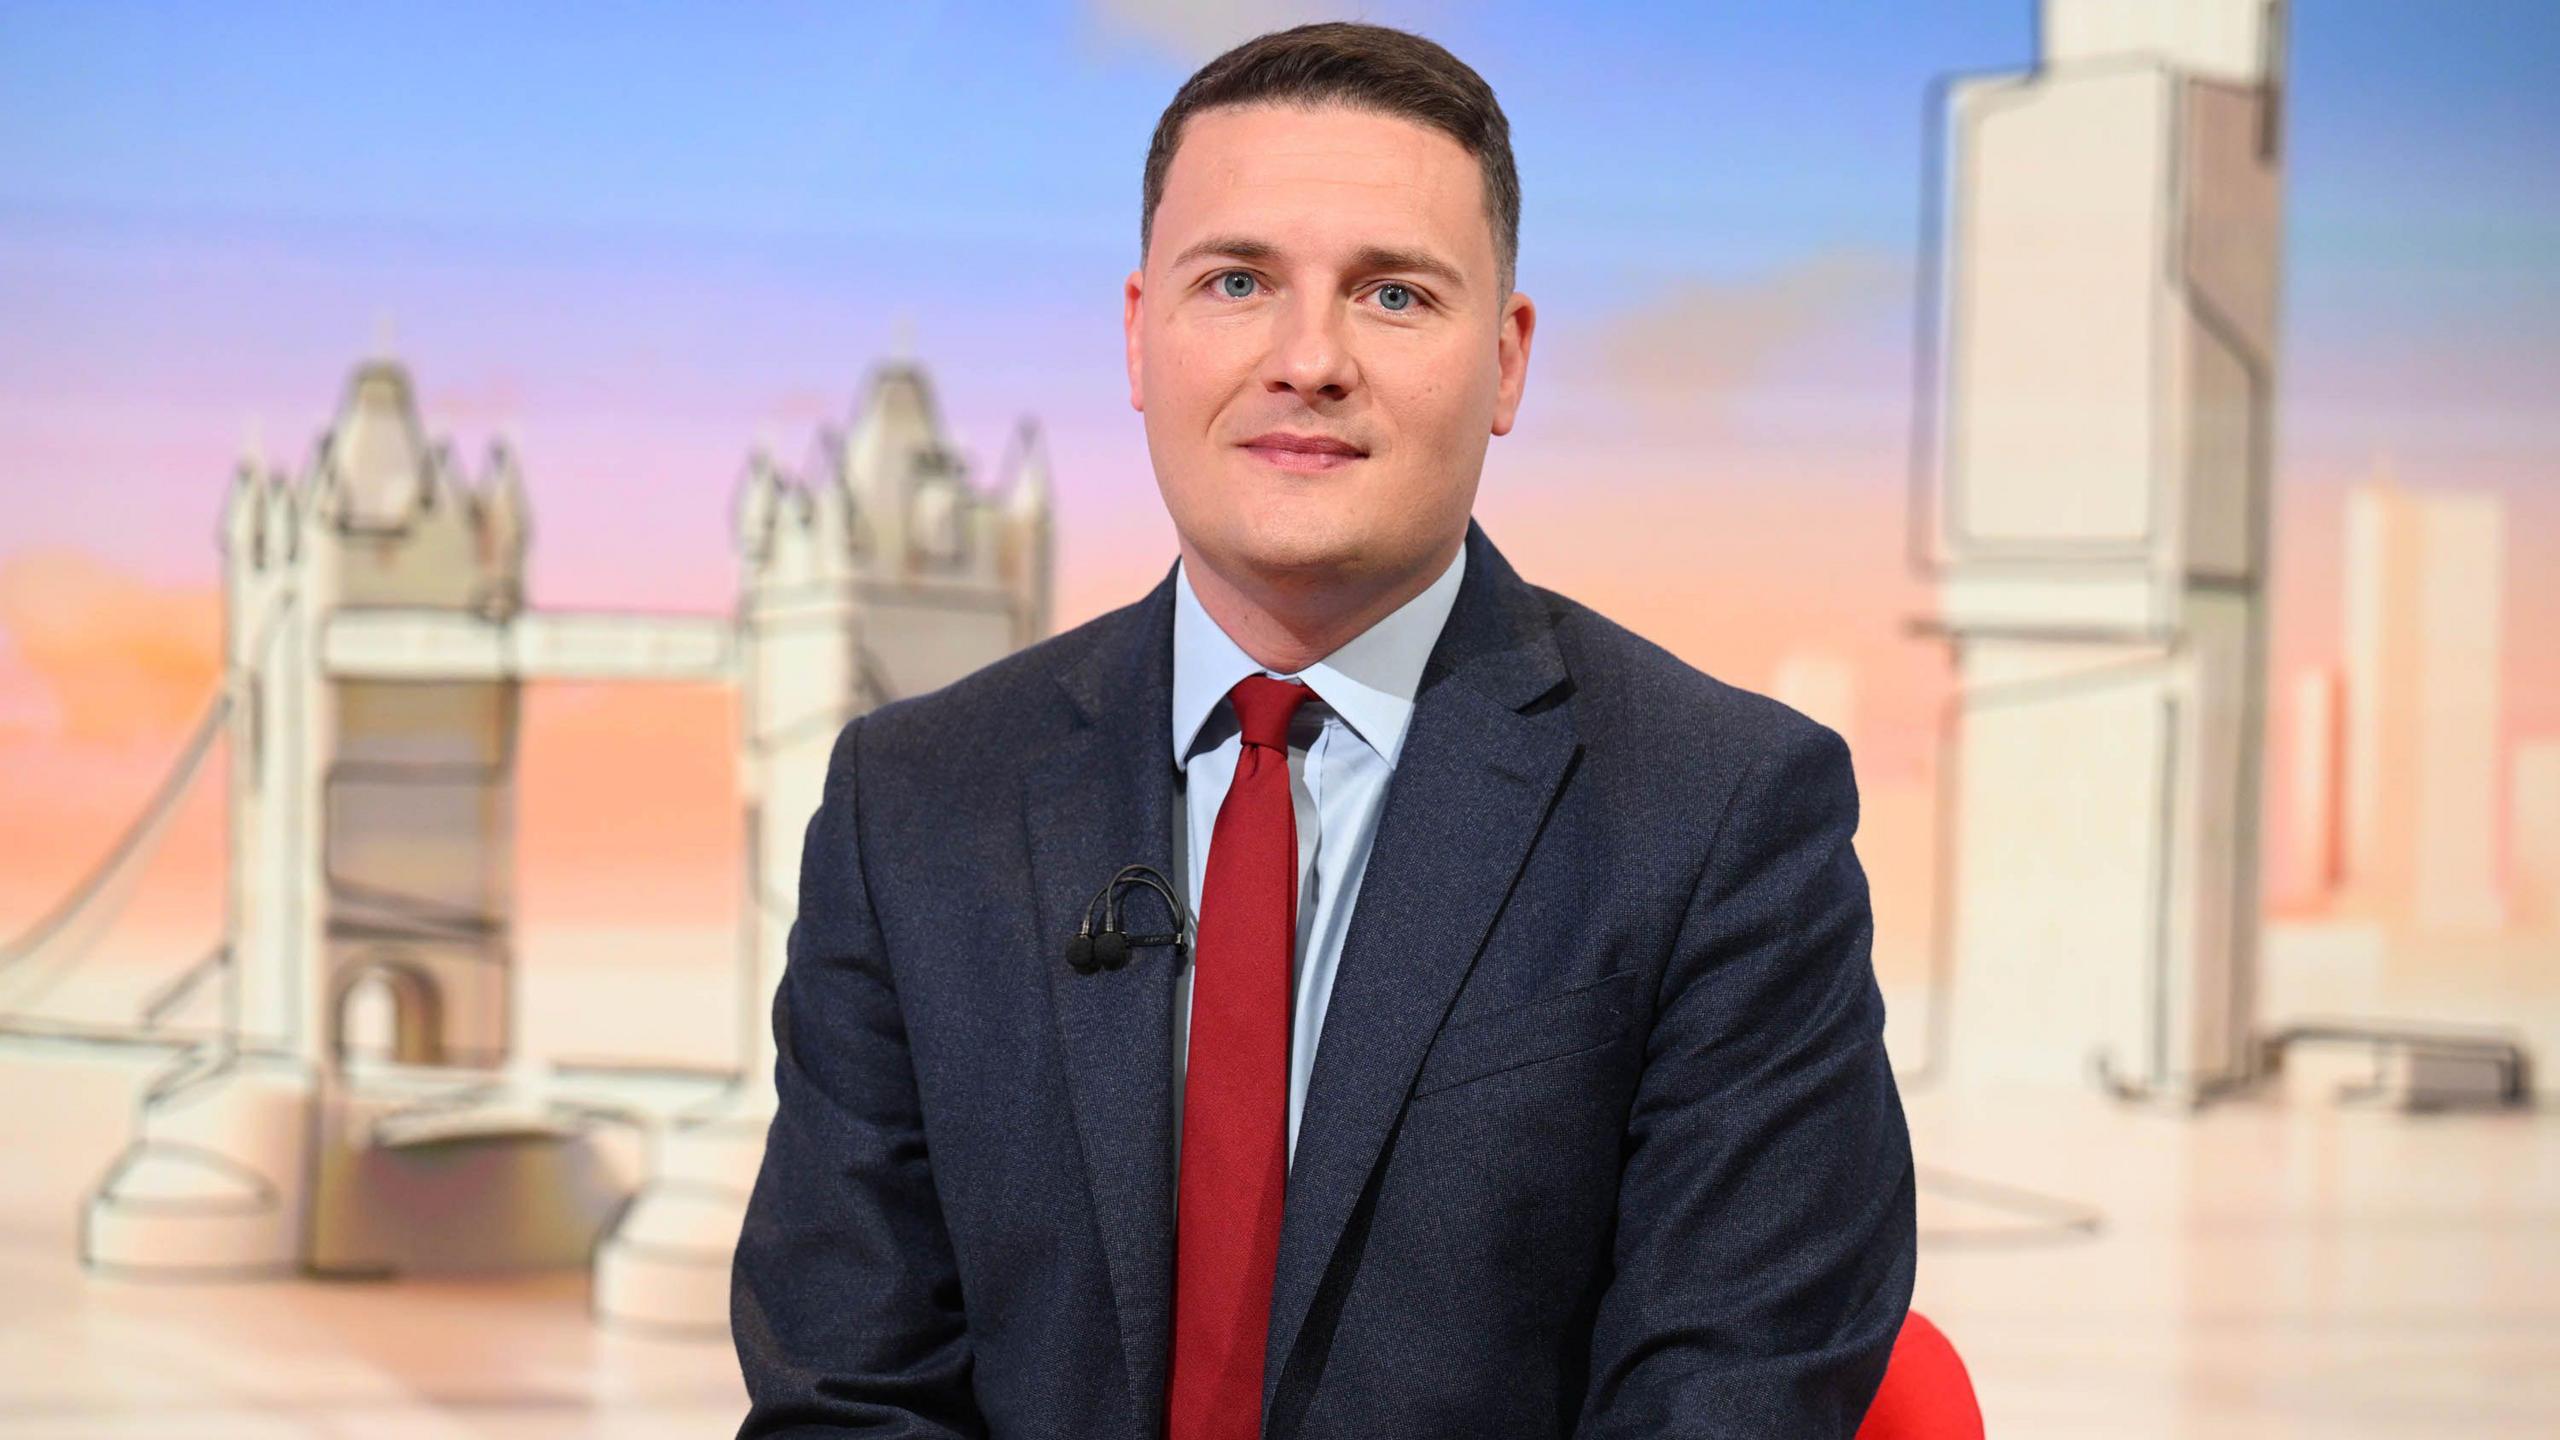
(37, 959)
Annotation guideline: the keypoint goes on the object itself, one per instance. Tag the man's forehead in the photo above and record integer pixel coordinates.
(1291, 139)
(1268, 169)
(1299, 142)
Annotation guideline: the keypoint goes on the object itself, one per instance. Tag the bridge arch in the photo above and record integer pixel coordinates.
(416, 1010)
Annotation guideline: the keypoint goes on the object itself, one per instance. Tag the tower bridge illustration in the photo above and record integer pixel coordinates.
(376, 648)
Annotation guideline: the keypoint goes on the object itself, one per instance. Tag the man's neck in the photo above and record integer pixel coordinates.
(1287, 628)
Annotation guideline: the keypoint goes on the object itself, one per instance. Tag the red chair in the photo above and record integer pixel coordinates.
(1926, 1393)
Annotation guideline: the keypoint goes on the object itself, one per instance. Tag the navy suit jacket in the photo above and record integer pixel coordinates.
(1601, 1138)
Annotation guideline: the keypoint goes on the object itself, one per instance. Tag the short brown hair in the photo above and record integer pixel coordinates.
(1367, 67)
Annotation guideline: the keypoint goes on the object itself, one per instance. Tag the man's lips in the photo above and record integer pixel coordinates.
(1302, 452)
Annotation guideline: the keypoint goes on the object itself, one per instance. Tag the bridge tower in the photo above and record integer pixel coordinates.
(373, 822)
(372, 848)
(879, 571)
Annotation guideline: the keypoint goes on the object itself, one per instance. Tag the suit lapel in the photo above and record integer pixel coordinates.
(1101, 798)
(1471, 788)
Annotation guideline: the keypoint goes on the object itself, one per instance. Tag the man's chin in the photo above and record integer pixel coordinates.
(1273, 567)
(1302, 554)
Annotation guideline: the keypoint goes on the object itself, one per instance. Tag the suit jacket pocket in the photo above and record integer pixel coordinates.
(1547, 1028)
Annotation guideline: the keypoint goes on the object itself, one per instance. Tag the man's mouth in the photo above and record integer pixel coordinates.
(1288, 451)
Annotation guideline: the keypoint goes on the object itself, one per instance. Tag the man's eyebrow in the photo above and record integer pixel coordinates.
(1368, 258)
(1419, 262)
(1232, 247)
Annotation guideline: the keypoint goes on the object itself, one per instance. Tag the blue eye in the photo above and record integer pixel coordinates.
(1227, 284)
(1395, 298)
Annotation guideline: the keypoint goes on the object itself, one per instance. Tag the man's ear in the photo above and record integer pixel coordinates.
(1511, 353)
(1132, 305)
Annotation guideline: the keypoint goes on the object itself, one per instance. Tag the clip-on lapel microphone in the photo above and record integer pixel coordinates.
(1108, 949)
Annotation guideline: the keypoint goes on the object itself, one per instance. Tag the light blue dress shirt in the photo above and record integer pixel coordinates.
(1342, 749)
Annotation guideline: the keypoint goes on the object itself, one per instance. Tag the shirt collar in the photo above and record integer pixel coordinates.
(1369, 680)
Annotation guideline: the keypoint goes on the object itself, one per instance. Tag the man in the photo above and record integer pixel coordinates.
(1524, 1076)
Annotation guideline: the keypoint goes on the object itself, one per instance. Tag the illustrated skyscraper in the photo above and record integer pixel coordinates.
(2425, 584)
(2098, 531)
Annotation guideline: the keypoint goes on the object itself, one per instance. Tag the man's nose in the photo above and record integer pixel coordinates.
(1311, 351)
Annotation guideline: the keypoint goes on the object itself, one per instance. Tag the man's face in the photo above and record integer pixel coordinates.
(1321, 275)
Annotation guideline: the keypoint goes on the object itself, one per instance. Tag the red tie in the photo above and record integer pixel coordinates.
(1235, 1107)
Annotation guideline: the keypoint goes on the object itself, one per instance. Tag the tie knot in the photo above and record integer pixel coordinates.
(1263, 707)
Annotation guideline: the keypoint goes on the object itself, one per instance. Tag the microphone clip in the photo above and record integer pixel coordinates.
(1108, 948)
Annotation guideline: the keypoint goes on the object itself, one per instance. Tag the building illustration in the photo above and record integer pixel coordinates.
(2425, 574)
(2093, 509)
(350, 1097)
